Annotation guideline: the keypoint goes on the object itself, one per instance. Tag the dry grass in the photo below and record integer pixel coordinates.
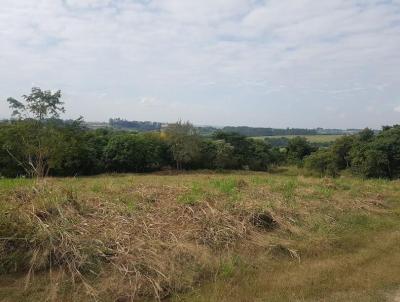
(232, 237)
(367, 273)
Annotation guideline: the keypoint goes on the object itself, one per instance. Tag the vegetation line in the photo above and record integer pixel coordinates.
(37, 143)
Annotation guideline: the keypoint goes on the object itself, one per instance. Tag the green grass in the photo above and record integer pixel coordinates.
(10, 184)
(193, 196)
(228, 186)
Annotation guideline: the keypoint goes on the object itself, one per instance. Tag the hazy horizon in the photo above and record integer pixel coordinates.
(239, 125)
(279, 64)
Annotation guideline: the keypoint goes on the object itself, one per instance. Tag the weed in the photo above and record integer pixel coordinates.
(324, 192)
(225, 185)
(97, 187)
(287, 188)
(193, 196)
(228, 266)
(228, 186)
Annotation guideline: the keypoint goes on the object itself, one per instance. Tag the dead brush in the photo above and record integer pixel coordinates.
(264, 220)
(162, 248)
(34, 239)
(216, 228)
(160, 252)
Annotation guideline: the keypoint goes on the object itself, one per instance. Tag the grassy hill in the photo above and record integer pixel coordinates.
(204, 236)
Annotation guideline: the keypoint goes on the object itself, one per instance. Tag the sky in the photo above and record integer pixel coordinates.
(265, 63)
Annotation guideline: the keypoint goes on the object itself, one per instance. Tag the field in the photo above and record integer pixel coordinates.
(204, 236)
(321, 138)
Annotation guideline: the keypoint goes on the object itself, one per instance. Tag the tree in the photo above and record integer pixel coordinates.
(260, 156)
(28, 144)
(35, 134)
(127, 152)
(298, 148)
(10, 167)
(366, 135)
(322, 162)
(184, 142)
(206, 157)
(38, 105)
(70, 152)
(366, 154)
(378, 156)
(241, 147)
(224, 158)
(341, 151)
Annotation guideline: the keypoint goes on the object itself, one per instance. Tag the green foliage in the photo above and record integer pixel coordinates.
(134, 125)
(378, 156)
(240, 143)
(33, 148)
(224, 158)
(128, 152)
(215, 154)
(193, 196)
(341, 152)
(241, 152)
(184, 142)
(365, 154)
(39, 144)
(251, 131)
(322, 162)
(298, 148)
(38, 104)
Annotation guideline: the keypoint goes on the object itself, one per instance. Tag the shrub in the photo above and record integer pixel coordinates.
(322, 162)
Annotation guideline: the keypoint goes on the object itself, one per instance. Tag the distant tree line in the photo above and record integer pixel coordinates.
(283, 142)
(251, 131)
(139, 126)
(36, 143)
(134, 125)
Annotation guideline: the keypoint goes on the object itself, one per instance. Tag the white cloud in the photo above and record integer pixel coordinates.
(203, 11)
(397, 109)
(86, 3)
(253, 58)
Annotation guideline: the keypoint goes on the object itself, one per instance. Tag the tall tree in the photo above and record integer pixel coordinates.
(184, 142)
(38, 104)
(34, 133)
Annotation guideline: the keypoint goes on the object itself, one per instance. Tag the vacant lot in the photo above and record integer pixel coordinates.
(323, 138)
(200, 237)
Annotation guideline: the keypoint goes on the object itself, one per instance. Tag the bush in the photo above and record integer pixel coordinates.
(322, 162)
(366, 154)
(298, 148)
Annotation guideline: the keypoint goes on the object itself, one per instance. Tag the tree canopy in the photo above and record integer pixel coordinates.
(38, 104)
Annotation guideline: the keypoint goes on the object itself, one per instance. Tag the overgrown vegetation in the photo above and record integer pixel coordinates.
(365, 154)
(38, 143)
(125, 238)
